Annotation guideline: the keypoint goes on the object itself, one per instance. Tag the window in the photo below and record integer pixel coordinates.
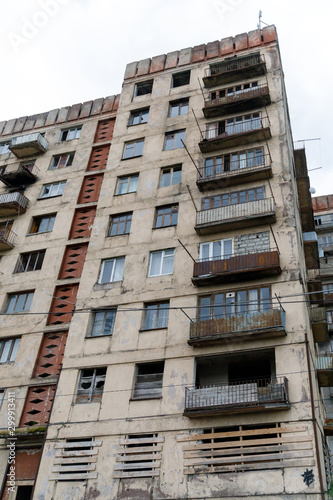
(180, 79)
(127, 184)
(224, 200)
(8, 350)
(148, 381)
(42, 224)
(233, 161)
(55, 189)
(161, 262)
(61, 161)
(120, 224)
(141, 455)
(139, 116)
(173, 140)
(28, 165)
(236, 89)
(171, 176)
(2, 394)
(143, 88)
(4, 148)
(156, 315)
(31, 261)
(177, 108)
(91, 385)
(328, 288)
(166, 216)
(325, 241)
(229, 303)
(19, 302)
(329, 317)
(112, 270)
(70, 133)
(231, 126)
(213, 250)
(103, 323)
(133, 149)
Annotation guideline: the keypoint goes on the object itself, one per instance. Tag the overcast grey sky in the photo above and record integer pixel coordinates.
(61, 52)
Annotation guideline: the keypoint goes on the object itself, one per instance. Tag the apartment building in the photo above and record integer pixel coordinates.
(161, 339)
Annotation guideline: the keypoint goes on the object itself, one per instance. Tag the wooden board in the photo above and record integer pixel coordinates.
(135, 458)
(73, 468)
(68, 477)
(75, 460)
(249, 442)
(119, 474)
(76, 453)
(246, 450)
(78, 444)
(145, 465)
(263, 466)
(251, 432)
(142, 440)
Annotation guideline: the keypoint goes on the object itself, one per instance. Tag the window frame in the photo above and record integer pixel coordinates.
(135, 384)
(113, 271)
(178, 135)
(178, 105)
(174, 209)
(124, 177)
(11, 351)
(67, 163)
(224, 242)
(142, 84)
(105, 312)
(66, 131)
(179, 75)
(226, 162)
(127, 148)
(29, 298)
(139, 114)
(162, 313)
(41, 217)
(172, 169)
(163, 257)
(127, 224)
(40, 254)
(93, 391)
(61, 187)
(226, 199)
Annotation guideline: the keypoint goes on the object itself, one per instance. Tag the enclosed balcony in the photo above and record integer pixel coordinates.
(233, 69)
(325, 369)
(7, 236)
(311, 249)
(315, 286)
(234, 132)
(319, 325)
(19, 175)
(227, 101)
(254, 213)
(234, 327)
(249, 265)
(28, 145)
(233, 169)
(13, 204)
(325, 244)
(328, 427)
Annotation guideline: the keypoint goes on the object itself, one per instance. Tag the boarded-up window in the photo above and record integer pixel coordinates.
(148, 380)
(62, 305)
(37, 405)
(104, 131)
(75, 459)
(90, 189)
(50, 355)
(139, 456)
(26, 467)
(98, 158)
(73, 261)
(82, 222)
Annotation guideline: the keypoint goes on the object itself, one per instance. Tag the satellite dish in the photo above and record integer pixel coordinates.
(312, 190)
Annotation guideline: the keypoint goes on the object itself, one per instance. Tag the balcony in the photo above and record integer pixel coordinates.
(28, 145)
(235, 69)
(328, 297)
(13, 204)
(326, 247)
(236, 267)
(248, 170)
(237, 397)
(237, 134)
(19, 175)
(7, 237)
(328, 427)
(311, 251)
(253, 213)
(244, 100)
(324, 367)
(325, 225)
(303, 191)
(315, 286)
(225, 329)
(319, 324)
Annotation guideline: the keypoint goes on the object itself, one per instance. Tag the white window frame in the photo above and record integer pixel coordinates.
(211, 246)
(73, 131)
(116, 260)
(60, 189)
(8, 349)
(128, 178)
(163, 257)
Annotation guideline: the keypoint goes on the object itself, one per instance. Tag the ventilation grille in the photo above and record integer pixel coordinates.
(139, 456)
(243, 448)
(90, 189)
(104, 131)
(98, 158)
(51, 353)
(75, 459)
(62, 305)
(82, 222)
(37, 405)
(73, 261)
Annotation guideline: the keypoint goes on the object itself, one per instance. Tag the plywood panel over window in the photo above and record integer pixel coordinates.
(62, 305)
(38, 405)
(90, 189)
(73, 261)
(98, 158)
(50, 355)
(104, 131)
(82, 222)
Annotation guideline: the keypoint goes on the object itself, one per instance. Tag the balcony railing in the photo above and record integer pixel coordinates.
(28, 145)
(242, 100)
(240, 171)
(7, 238)
(233, 69)
(236, 134)
(233, 327)
(232, 267)
(237, 216)
(12, 203)
(324, 226)
(252, 395)
(319, 324)
(17, 175)
(324, 365)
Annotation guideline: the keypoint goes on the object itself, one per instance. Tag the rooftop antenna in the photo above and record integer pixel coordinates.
(260, 21)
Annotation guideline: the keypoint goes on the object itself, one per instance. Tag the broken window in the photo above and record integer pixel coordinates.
(70, 133)
(4, 148)
(91, 385)
(171, 176)
(19, 302)
(54, 189)
(161, 262)
(31, 261)
(139, 116)
(62, 161)
(120, 224)
(143, 88)
(156, 315)
(174, 140)
(166, 216)
(148, 380)
(8, 349)
(112, 270)
(103, 322)
(177, 108)
(180, 79)
(42, 224)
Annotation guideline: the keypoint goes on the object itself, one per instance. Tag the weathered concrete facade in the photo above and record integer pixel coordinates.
(180, 379)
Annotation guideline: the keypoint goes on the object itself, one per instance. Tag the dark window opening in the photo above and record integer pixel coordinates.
(180, 79)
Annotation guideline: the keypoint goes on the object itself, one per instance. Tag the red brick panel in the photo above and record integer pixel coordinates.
(37, 405)
(62, 304)
(50, 355)
(104, 131)
(98, 158)
(82, 222)
(73, 261)
(90, 188)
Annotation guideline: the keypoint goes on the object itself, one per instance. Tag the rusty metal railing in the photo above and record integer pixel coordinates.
(235, 64)
(237, 128)
(234, 167)
(16, 198)
(230, 212)
(15, 168)
(7, 235)
(242, 394)
(251, 93)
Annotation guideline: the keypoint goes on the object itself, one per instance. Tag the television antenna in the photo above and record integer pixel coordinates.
(260, 21)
